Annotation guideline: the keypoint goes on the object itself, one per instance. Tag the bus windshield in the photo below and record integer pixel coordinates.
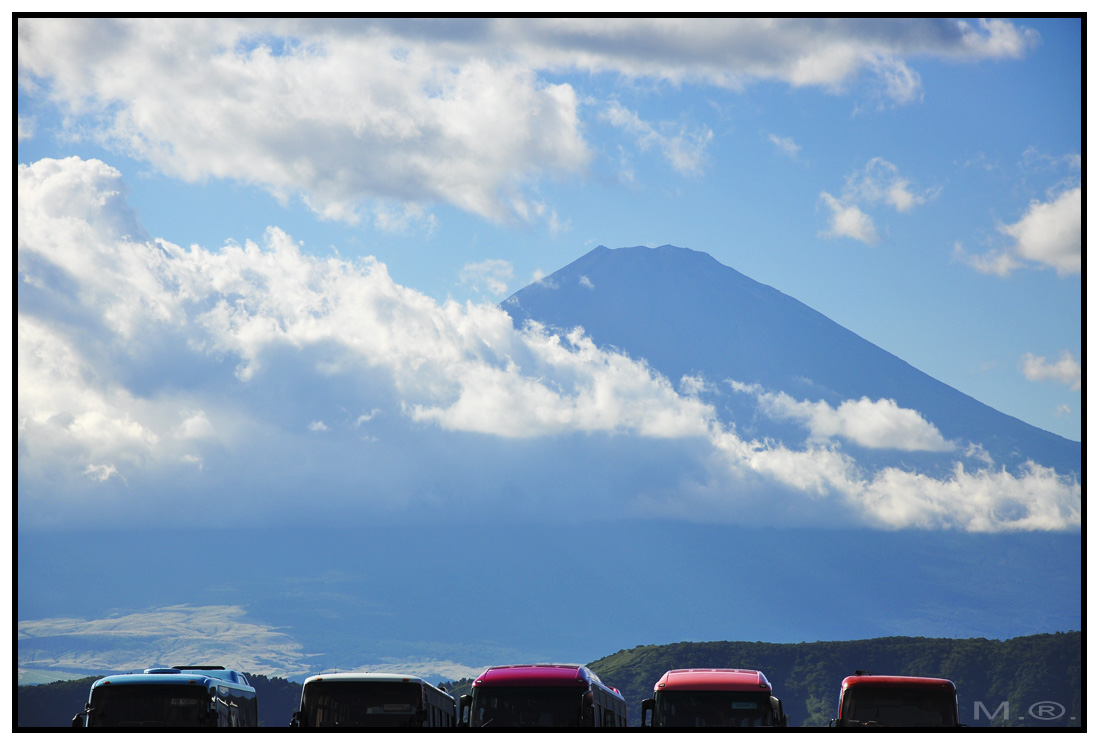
(714, 708)
(349, 703)
(526, 706)
(899, 707)
(150, 706)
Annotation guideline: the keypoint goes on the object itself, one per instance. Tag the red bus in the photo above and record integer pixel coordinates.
(712, 697)
(555, 696)
(896, 701)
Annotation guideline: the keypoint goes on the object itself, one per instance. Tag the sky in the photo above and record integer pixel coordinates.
(262, 258)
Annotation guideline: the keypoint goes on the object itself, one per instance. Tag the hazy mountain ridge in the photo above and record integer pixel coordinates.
(687, 314)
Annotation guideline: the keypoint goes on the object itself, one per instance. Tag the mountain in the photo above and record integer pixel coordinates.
(687, 314)
(578, 543)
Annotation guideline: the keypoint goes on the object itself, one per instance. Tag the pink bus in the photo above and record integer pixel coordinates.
(550, 696)
(712, 697)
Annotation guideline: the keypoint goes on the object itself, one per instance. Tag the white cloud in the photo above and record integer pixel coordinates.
(734, 53)
(25, 128)
(823, 481)
(1066, 370)
(848, 221)
(195, 426)
(342, 119)
(999, 263)
(880, 181)
(100, 473)
(328, 338)
(379, 118)
(134, 640)
(786, 145)
(364, 418)
(318, 426)
(492, 275)
(871, 424)
(685, 151)
(585, 282)
(1050, 233)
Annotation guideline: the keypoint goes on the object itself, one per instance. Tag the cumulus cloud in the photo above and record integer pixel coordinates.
(825, 479)
(169, 635)
(871, 424)
(848, 221)
(270, 338)
(379, 118)
(340, 119)
(880, 182)
(1066, 370)
(1049, 234)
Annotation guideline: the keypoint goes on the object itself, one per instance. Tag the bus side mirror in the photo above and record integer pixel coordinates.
(81, 719)
(295, 719)
(587, 710)
(648, 706)
(780, 719)
(465, 706)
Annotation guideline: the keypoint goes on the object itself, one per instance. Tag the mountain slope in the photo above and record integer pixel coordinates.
(687, 314)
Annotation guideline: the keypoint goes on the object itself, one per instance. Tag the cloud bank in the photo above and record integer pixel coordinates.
(158, 382)
(379, 119)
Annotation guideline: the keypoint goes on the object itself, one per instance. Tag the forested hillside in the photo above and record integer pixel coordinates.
(1037, 676)
(1024, 671)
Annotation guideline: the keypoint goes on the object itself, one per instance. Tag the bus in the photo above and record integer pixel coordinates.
(187, 696)
(551, 696)
(868, 700)
(373, 701)
(712, 697)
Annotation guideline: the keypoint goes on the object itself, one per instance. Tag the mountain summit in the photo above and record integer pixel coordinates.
(687, 314)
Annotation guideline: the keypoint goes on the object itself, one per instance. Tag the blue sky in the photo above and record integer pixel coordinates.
(253, 252)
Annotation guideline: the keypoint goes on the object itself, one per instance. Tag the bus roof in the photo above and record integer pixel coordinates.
(713, 679)
(364, 678)
(537, 675)
(900, 681)
(205, 676)
(156, 679)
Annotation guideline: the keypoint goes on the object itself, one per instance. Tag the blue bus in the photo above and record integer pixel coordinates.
(188, 696)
